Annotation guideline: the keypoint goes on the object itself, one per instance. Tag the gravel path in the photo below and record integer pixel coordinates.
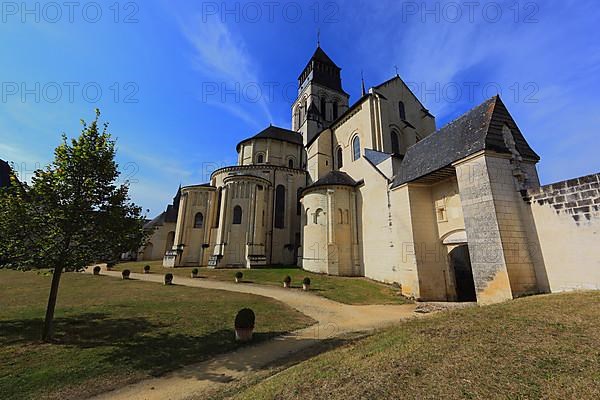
(333, 319)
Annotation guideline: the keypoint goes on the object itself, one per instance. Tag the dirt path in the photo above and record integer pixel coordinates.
(334, 319)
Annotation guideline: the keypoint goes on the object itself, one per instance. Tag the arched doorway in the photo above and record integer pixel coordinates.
(460, 262)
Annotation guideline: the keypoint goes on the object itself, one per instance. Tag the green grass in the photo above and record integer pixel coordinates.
(344, 290)
(111, 332)
(532, 348)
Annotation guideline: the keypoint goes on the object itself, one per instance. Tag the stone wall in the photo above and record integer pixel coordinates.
(567, 221)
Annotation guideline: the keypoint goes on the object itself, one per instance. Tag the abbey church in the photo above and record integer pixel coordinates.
(373, 189)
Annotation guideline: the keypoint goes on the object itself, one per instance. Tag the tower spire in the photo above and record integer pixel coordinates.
(362, 79)
(318, 37)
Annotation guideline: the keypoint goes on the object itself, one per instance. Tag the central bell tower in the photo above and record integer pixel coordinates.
(321, 99)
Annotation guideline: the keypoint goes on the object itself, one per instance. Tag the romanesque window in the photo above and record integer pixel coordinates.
(260, 158)
(335, 110)
(340, 216)
(280, 207)
(323, 108)
(338, 158)
(319, 217)
(356, 148)
(307, 217)
(237, 215)
(395, 143)
(402, 111)
(291, 163)
(198, 221)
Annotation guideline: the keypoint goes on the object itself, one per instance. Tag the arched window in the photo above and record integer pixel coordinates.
(319, 217)
(402, 111)
(280, 207)
(198, 221)
(237, 215)
(395, 143)
(323, 108)
(260, 158)
(339, 162)
(335, 110)
(340, 216)
(307, 217)
(291, 163)
(355, 148)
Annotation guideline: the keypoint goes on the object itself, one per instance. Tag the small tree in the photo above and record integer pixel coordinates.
(73, 213)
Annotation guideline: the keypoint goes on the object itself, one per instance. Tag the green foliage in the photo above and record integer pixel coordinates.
(287, 279)
(195, 271)
(239, 275)
(306, 281)
(74, 212)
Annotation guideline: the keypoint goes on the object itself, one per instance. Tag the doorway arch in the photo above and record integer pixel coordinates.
(460, 262)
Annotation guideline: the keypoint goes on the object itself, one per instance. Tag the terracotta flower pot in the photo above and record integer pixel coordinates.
(243, 334)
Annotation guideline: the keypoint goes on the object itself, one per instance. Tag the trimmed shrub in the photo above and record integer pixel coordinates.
(125, 274)
(168, 279)
(146, 269)
(97, 270)
(306, 281)
(245, 319)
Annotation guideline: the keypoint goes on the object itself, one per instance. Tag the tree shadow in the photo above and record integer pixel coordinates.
(132, 343)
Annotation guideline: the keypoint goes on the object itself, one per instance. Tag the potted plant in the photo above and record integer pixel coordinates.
(146, 269)
(169, 279)
(244, 325)
(195, 273)
(306, 284)
(125, 274)
(97, 270)
(110, 266)
(287, 282)
(238, 276)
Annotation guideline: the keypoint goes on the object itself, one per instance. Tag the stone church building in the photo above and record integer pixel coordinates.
(373, 189)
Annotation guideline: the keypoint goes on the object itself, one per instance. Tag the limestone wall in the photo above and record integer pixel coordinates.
(567, 221)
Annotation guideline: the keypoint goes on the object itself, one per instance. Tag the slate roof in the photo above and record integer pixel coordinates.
(376, 157)
(334, 178)
(322, 70)
(276, 133)
(321, 56)
(478, 129)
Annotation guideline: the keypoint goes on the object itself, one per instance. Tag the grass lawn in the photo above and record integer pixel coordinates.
(343, 290)
(111, 332)
(532, 348)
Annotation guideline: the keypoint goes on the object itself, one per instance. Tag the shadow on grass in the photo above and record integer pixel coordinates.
(133, 343)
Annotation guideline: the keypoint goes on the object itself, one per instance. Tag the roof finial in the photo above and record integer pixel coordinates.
(362, 78)
(318, 37)
(397, 74)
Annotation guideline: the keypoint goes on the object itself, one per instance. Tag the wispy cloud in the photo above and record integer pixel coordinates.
(222, 59)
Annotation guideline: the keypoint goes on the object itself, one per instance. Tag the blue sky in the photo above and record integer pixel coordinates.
(182, 82)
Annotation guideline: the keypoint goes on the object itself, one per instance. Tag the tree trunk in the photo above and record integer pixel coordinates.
(48, 328)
